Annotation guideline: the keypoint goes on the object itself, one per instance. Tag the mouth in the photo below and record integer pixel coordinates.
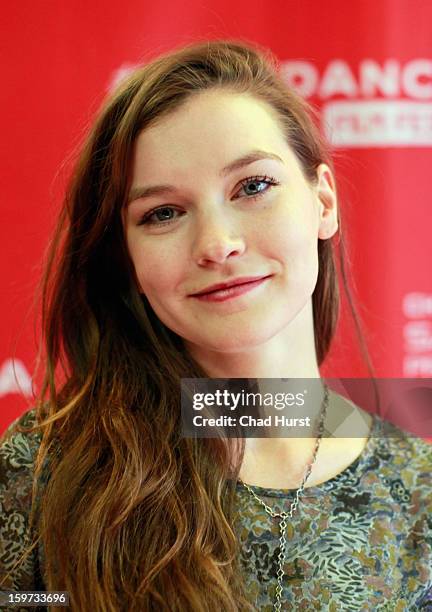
(242, 280)
(226, 291)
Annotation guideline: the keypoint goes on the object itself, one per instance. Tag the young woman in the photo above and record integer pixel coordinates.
(202, 172)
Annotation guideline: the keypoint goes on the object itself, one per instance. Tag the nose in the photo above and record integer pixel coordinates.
(217, 237)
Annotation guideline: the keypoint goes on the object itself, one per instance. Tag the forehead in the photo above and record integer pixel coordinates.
(209, 129)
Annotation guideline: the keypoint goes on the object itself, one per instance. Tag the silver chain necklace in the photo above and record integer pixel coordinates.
(287, 515)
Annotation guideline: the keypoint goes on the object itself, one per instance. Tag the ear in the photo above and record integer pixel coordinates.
(327, 200)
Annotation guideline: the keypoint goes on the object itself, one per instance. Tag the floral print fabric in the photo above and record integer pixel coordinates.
(361, 541)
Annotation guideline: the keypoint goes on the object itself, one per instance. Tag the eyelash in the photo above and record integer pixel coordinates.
(268, 180)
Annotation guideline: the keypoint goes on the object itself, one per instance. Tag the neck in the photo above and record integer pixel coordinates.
(291, 354)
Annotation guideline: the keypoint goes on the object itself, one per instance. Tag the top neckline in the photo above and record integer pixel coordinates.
(317, 490)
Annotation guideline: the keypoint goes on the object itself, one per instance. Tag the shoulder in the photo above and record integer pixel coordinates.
(402, 505)
(406, 450)
(18, 444)
(405, 465)
(18, 449)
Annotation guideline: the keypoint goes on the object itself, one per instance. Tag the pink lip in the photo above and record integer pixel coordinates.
(236, 281)
(228, 291)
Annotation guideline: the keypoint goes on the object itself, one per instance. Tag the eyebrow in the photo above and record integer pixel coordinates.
(154, 190)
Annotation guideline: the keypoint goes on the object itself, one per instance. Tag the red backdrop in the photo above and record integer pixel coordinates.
(367, 65)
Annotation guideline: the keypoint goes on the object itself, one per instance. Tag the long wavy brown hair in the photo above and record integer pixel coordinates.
(132, 516)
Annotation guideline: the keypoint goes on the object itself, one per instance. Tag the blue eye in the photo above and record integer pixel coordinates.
(257, 185)
(260, 186)
(162, 216)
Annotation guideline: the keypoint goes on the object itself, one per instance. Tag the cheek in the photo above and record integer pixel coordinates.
(292, 234)
(158, 270)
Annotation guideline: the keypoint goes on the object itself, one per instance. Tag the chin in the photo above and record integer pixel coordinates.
(235, 341)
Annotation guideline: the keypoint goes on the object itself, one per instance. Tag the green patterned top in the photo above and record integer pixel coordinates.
(361, 541)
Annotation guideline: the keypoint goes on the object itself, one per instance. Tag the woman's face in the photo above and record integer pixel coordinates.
(218, 196)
